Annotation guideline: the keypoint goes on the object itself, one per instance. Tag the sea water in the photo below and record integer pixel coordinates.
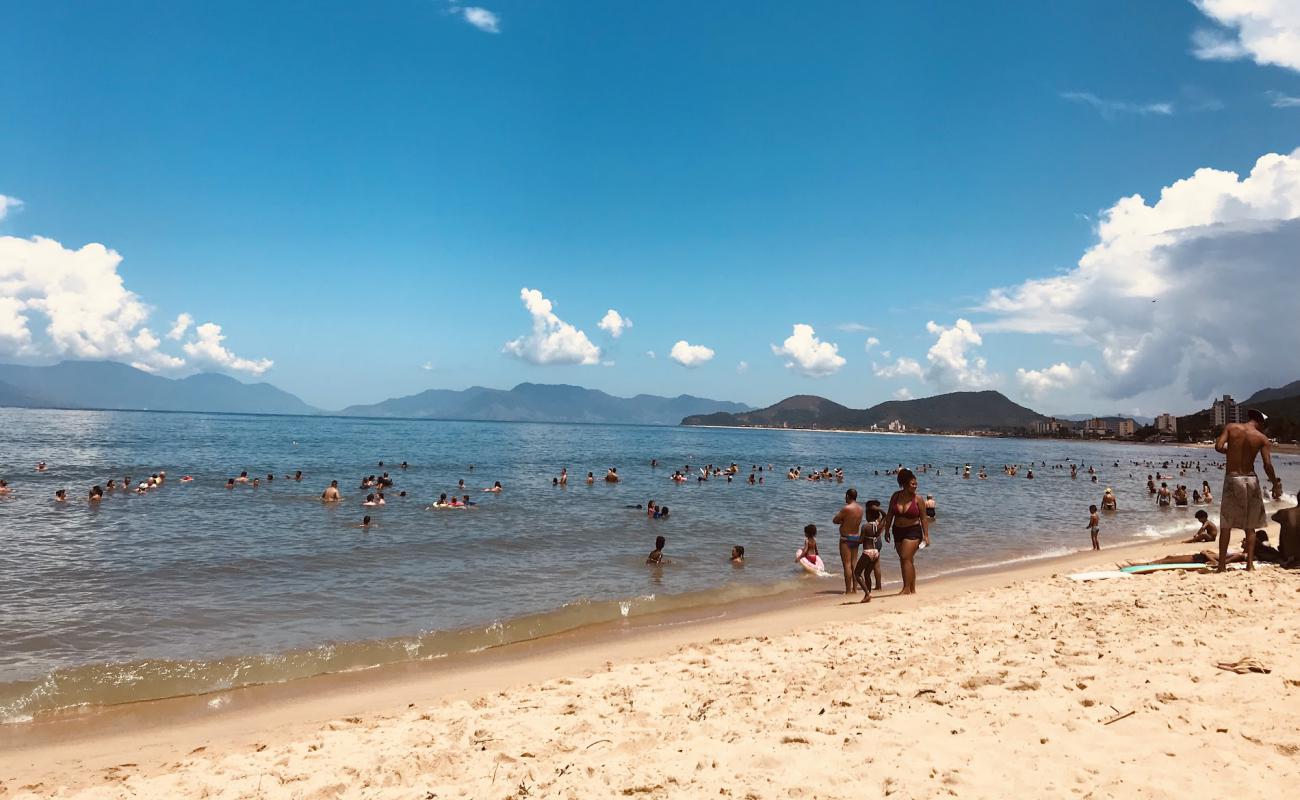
(194, 588)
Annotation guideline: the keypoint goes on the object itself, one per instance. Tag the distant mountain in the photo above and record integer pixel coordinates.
(1292, 389)
(107, 384)
(536, 402)
(956, 411)
(14, 397)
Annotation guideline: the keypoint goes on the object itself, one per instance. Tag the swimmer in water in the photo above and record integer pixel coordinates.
(657, 555)
(809, 550)
(369, 501)
(61, 496)
(96, 494)
(4, 486)
(1108, 501)
(564, 476)
(230, 483)
(40, 466)
(365, 522)
(243, 477)
(332, 494)
(496, 487)
(590, 479)
(738, 556)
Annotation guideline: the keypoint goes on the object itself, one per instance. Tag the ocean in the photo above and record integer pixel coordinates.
(195, 588)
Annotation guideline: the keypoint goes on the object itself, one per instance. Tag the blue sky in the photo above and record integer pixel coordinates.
(358, 193)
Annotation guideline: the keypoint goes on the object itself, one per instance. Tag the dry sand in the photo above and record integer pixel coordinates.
(1018, 684)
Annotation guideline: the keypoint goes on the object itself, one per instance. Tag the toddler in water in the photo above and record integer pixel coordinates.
(809, 550)
(657, 555)
(1094, 524)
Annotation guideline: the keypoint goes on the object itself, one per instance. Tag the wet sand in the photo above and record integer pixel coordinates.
(984, 685)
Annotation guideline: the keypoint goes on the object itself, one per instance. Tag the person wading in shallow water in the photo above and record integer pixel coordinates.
(849, 518)
(905, 520)
(1242, 504)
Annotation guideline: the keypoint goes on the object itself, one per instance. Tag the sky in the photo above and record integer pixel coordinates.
(1091, 206)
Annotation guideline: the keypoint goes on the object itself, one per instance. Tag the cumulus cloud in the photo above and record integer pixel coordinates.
(1035, 383)
(206, 349)
(182, 324)
(690, 355)
(903, 393)
(650, 354)
(902, 368)
(614, 323)
(552, 341)
(7, 203)
(808, 355)
(871, 342)
(1265, 31)
(84, 305)
(950, 365)
(1112, 108)
(742, 368)
(427, 366)
(1193, 292)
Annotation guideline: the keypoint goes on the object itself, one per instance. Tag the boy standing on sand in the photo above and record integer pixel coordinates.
(1094, 523)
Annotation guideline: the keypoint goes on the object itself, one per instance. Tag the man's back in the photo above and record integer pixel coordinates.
(1244, 442)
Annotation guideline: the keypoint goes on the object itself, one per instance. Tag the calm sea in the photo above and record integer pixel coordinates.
(193, 588)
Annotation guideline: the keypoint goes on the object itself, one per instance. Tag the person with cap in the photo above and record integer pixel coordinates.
(1108, 500)
(1242, 503)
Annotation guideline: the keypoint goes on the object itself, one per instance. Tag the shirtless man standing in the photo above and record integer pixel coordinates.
(849, 519)
(1242, 504)
(331, 495)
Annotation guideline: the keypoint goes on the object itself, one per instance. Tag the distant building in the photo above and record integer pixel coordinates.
(897, 427)
(1095, 426)
(1226, 411)
(1125, 427)
(1109, 426)
(1167, 423)
(1048, 427)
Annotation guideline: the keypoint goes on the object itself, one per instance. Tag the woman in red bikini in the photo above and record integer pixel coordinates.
(906, 521)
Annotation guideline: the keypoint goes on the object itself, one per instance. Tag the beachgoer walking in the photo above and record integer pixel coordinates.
(906, 522)
(849, 518)
(1242, 503)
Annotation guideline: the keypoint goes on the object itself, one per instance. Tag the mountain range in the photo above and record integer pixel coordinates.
(537, 402)
(956, 411)
(109, 385)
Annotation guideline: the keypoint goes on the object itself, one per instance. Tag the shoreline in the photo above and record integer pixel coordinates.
(83, 742)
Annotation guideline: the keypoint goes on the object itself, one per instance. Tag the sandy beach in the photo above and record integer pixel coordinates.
(1020, 681)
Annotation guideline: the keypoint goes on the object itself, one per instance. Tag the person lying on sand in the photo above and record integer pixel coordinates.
(1264, 553)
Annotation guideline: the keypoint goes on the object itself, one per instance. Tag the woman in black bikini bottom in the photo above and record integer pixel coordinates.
(907, 522)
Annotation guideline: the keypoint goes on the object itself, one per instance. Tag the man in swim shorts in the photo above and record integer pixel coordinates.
(1242, 503)
(849, 518)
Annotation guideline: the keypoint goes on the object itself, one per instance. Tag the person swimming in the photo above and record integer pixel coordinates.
(657, 555)
(738, 556)
(61, 496)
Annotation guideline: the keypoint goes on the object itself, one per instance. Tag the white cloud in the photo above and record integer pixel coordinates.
(206, 349)
(614, 323)
(427, 366)
(690, 355)
(1266, 31)
(902, 368)
(742, 368)
(902, 393)
(950, 366)
(182, 324)
(872, 342)
(1110, 108)
(87, 310)
(482, 19)
(808, 355)
(852, 327)
(1194, 292)
(650, 354)
(1035, 383)
(553, 341)
(1279, 100)
(7, 203)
